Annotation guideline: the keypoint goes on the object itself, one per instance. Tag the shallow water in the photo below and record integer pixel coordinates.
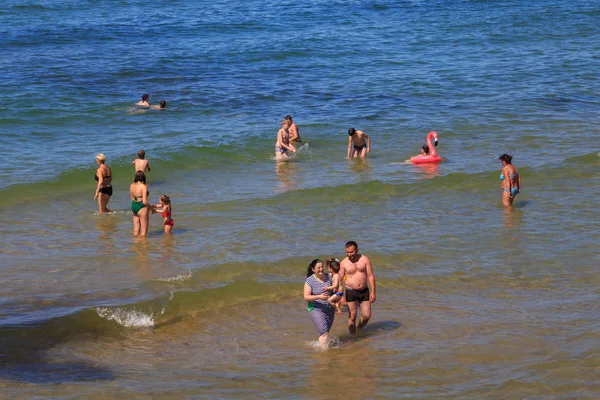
(473, 301)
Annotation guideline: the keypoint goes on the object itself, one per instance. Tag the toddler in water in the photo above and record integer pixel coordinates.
(333, 265)
(165, 209)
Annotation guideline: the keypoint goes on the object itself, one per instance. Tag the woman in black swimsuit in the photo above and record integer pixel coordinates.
(104, 187)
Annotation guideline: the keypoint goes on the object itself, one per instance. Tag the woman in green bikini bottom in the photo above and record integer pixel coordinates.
(140, 206)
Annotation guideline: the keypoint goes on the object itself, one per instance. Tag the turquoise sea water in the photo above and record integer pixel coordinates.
(474, 301)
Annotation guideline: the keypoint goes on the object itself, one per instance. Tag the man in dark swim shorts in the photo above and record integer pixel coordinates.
(356, 272)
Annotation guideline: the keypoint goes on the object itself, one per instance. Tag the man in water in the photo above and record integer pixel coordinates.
(361, 146)
(293, 128)
(144, 102)
(356, 271)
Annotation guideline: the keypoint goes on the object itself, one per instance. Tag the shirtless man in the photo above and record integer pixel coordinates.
(293, 128)
(361, 147)
(144, 102)
(140, 163)
(356, 271)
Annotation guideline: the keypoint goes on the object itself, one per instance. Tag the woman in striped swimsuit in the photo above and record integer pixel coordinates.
(319, 309)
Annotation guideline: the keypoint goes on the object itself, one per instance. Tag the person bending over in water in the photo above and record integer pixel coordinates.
(104, 187)
(162, 106)
(140, 163)
(283, 144)
(511, 181)
(359, 143)
(165, 209)
(140, 206)
(294, 133)
(333, 265)
(144, 102)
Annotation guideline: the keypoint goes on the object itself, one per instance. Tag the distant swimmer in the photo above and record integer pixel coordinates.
(360, 286)
(161, 106)
(283, 145)
(511, 181)
(294, 133)
(165, 209)
(425, 150)
(359, 143)
(104, 187)
(144, 102)
(140, 163)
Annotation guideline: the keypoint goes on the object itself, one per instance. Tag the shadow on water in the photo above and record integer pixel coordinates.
(370, 330)
(23, 357)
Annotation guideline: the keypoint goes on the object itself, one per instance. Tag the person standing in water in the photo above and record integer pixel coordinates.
(283, 145)
(140, 205)
(359, 143)
(294, 133)
(316, 295)
(511, 181)
(356, 272)
(104, 187)
(140, 163)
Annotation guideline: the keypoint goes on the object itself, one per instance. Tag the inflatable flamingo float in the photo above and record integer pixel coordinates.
(432, 157)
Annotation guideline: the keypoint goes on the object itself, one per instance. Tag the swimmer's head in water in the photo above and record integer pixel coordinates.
(351, 131)
(163, 104)
(100, 157)
(506, 158)
(425, 149)
(141, 154)
(140, 176)
(165, 199)
(145, 97)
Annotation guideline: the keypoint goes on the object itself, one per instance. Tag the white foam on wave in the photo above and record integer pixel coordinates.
(178, 278)
(126, 318)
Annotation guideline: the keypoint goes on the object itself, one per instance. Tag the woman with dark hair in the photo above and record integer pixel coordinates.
(103, 188)
(321, 313)
(140, 206)
(511, 181)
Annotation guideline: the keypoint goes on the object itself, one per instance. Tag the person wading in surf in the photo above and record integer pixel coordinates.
(356, 272)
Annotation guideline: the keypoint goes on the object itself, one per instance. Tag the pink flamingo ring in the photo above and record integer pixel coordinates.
(432, 157)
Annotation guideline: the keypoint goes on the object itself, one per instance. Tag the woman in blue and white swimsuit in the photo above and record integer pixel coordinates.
(321, 313)
(511, 181)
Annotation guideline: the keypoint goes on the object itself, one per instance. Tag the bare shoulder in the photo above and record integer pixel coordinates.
(344, 262)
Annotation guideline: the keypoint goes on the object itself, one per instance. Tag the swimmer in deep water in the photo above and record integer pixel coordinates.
(161, 106)
(144, 102)
(511, 181)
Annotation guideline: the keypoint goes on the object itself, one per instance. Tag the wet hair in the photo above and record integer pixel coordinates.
(140, 176)
(333, 264)
(288, 117)
(141, 154)
(145, 97)
(311, 267)
(165, 199)
(285, 122)
(351, 243)
(351, 131)
(506, 158)
(425, 149)
(163, 104)
(100, 157)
